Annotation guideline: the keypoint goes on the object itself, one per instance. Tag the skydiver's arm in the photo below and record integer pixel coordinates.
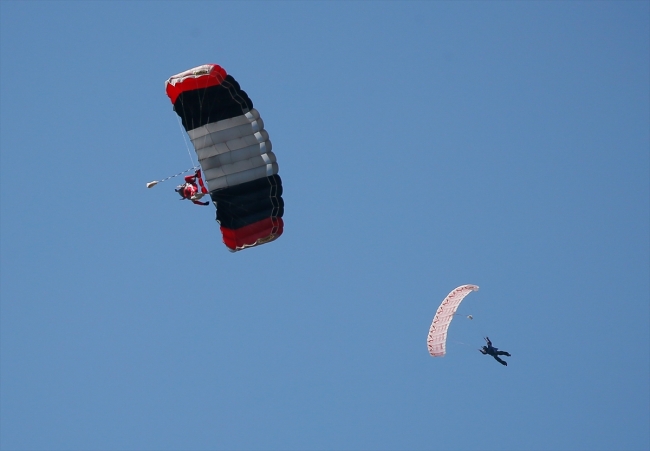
(197, 176)
(204, 190)
(200, 203)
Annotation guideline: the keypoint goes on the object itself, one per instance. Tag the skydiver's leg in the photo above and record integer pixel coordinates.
(503, 353)
(502, 362)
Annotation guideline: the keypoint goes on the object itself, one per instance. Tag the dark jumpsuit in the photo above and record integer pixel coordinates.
(494, 352)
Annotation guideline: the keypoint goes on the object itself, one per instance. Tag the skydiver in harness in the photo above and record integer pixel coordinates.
(494, 352)
(190, 191)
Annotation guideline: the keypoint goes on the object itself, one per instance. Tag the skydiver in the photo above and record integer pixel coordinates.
(190, 191)
(494, 352)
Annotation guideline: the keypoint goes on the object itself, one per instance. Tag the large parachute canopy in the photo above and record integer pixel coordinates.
(234, 152)
(437, 339)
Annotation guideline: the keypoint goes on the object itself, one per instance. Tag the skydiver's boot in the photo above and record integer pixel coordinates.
(502, 362)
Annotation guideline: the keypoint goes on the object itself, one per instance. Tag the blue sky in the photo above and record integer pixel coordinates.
(422, 146)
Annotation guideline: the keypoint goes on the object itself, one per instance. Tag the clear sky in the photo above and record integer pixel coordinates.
(422, 146)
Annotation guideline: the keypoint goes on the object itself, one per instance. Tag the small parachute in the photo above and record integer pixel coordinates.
(437, 339)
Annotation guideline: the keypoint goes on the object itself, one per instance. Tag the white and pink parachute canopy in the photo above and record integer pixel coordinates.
(437, 339)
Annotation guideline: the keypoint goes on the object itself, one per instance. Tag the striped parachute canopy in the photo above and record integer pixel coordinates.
(234, 152)
(437, 339)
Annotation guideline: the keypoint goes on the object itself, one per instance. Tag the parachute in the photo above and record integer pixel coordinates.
(437, 339)
(234, 152)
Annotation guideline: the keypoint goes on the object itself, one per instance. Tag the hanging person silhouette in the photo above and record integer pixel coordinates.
(494, 352)
(189, 190)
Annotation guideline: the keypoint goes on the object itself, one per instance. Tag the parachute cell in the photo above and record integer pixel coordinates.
(437, 339)
(234, 152)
